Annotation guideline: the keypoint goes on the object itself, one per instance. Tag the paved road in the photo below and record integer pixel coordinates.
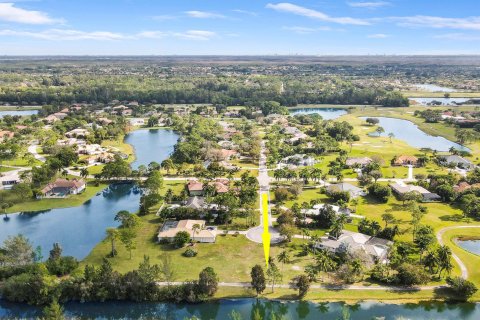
(255, 234)
(33, 150)
(322, 286)
(440, 234)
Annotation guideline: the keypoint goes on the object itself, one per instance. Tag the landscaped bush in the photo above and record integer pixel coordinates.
(189, 253)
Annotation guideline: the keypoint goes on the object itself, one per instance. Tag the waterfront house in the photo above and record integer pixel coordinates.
(405, 160)
(376, 248)
(62, 188)
(456, 161)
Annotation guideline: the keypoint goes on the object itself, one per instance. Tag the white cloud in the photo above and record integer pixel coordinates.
(250, 13)
(307, 30)
(469, 23)
(314, 14)
(378, 36)
(10, 13)
(369, 5)
(72, 35)
(458, 37)
(201, 35)
(204, 15)
(164, 17)
(64, 35)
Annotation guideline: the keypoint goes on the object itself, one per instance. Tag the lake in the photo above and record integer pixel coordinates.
(434, 88)
(470, 245)
(22, 113)
(443, 101)
(247, 307)
(410, 133)
(77, 229)
(151, 145)
(326, 113)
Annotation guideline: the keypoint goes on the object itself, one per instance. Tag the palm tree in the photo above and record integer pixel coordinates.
(283, 257)
(314, 240)
(430, 261)
(316, 174)
(324, 262)
(444, 260)
(305, 175)
(388, 218)
(338, 225)
(84, 173)
(391, 135)
(357, 267)
(196, 227)
(112, 236)
(305, 233)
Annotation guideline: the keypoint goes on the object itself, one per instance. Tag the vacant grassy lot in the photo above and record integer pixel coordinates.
(231, 257)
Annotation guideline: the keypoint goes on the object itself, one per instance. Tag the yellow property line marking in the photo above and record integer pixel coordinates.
(266, 233)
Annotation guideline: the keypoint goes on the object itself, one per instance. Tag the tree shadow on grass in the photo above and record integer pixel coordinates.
(455, 218)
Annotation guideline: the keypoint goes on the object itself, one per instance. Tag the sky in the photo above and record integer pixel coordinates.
(239, 27)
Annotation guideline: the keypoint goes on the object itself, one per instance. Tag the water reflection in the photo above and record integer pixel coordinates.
(77, 229)
(256, 309)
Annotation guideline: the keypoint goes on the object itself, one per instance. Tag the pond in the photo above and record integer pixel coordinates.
(77, 229)
(443, 101)
(410, 133)
(472, 246)
(22, 113)
(249, 307)
(434, 88)
(151, 145)
(326, 113)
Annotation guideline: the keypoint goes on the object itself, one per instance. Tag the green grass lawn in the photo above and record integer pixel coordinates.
(231, 257)
(471, 260)
(428, 94)
(435, 129)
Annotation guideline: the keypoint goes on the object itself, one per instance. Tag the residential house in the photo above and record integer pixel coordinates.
(5, 135)
(457, 161)
(77, 133)
(127, 112)
(203, 234)
(137, 122)
(51, 119)
(62, 188)
(376, 248)
(71, 142)
(60, 115)
(358, 162)
(354, 191)
(464, 186)
(105, 121)
(405, 160)
(9, 179)
(297, 160)
(315, 211)
(90, 149)
(196, 188)
(401, 188)
(226, 154)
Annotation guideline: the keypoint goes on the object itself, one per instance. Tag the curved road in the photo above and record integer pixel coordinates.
(440, 234)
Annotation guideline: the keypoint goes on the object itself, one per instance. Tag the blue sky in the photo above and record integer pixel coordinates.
(234, 27)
